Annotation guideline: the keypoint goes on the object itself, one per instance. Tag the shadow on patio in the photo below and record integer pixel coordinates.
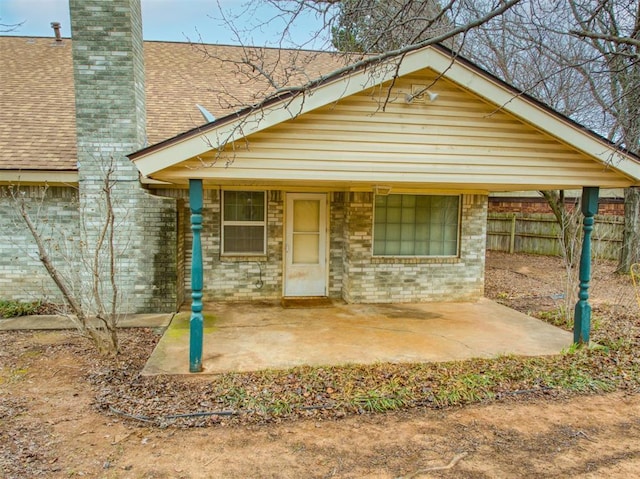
(254, 336)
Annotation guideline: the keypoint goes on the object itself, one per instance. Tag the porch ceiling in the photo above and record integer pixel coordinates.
(249, 337)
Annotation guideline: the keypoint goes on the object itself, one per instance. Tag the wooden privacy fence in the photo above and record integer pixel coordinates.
(538, 233)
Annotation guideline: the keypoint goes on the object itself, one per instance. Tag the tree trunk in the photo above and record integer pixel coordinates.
(629, 254)
(568, 228)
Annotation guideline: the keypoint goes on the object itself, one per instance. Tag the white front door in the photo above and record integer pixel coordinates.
(305, 271)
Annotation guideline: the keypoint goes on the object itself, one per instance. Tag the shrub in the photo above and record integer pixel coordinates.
(11, 309)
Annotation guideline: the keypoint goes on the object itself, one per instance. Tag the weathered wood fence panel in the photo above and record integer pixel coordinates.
(538, 233)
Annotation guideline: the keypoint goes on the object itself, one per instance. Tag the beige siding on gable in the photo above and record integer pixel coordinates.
(456, 140)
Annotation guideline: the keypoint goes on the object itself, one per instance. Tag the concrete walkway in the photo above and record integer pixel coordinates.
(248, 337)
(44, 322)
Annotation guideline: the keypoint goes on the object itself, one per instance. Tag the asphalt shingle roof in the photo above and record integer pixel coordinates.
(37, 107)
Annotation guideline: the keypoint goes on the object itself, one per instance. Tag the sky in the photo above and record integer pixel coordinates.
(169, 20)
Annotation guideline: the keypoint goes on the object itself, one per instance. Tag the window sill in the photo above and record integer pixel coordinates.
(415, 260)
(243, 258)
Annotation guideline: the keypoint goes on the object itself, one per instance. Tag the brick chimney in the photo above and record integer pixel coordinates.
(108, 64)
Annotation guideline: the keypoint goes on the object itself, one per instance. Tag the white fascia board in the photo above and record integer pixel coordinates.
(279, 112)
(294, 176)
(535, 115)
(38, 177)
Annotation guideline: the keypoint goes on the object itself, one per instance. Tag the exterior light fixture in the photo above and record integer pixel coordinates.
(381, 190)
(419, 94)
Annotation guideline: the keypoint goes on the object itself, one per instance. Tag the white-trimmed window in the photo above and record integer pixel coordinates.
(416, 225)
(244, 222)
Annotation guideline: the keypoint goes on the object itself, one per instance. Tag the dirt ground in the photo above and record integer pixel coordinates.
(51, 427)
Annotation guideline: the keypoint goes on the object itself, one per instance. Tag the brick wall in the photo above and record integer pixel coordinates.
(182, 222)
(55, 213)
(354, 274)
(368, 279)
(110, 123)
(242, 278)
(336, 243)
(237, 278)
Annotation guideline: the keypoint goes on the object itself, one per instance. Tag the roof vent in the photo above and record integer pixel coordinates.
(56, 30)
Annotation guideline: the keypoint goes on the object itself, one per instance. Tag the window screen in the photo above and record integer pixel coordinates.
(244, 222)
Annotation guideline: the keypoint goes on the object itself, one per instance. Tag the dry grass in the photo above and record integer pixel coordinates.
(523, 282)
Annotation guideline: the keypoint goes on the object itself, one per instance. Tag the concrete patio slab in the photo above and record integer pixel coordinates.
(249, 337)
(44, 322)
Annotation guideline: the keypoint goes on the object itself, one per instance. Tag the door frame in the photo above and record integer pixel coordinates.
(290, 196)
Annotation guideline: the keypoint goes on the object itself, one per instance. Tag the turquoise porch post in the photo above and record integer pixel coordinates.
(582, 313)
(195, 324)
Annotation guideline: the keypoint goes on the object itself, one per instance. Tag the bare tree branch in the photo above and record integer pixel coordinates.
(608, 38)
(94, 305)
(381, 57)
(44, 257)
(9, 27)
